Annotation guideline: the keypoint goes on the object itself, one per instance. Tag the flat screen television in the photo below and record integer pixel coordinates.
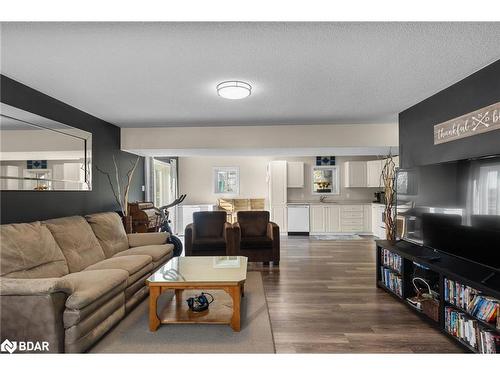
(453, 207)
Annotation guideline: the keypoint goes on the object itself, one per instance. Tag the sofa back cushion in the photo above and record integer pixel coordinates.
(77, 241)
(29, 251)
(253, 223)
(209, 224)
(109, 230)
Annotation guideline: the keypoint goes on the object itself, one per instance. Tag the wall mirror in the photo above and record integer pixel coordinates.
(325, 180)
(40, 154)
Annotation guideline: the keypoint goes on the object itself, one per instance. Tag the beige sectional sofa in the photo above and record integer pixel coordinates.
(67, 281)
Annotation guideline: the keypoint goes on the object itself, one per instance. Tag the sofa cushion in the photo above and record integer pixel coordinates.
(77, 241)
(108, 229)
(263, 242)
(30, 251)
(209, 223)
(137, 267)
(154, 251)
(253, 223)
(110, 301)
(130, 263)
(89, 286)
(160, 262)
(145, 239)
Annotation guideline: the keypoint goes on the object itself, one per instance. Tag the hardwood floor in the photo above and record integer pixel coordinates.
(323, 299)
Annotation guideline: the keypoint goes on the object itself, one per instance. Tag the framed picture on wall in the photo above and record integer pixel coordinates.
(226, 180)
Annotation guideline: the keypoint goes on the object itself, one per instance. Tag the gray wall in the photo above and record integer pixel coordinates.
(416, 124)
(23, 206)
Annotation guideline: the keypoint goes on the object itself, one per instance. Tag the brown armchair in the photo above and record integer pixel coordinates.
(209, 234)
(256, 237)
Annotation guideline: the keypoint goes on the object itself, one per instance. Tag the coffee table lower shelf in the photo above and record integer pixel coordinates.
(224, 310)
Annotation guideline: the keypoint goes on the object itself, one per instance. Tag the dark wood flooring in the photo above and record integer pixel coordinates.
(322, 299)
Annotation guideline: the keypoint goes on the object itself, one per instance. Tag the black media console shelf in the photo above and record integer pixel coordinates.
(396, 279)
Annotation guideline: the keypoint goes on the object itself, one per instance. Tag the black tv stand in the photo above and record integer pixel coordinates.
(485, 280)
(447, 267)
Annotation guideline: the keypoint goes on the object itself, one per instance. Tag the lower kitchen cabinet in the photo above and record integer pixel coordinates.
(278, 215)
(335, 218)
(317, 222)
(332, 217)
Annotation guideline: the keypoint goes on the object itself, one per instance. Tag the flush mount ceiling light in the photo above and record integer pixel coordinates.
(234, 89)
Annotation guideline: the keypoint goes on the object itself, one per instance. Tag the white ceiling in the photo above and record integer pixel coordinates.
(164, 74)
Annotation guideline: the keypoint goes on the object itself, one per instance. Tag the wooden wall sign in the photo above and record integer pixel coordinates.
(483, 120)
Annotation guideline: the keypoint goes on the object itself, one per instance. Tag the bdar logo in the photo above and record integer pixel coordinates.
(8, 346)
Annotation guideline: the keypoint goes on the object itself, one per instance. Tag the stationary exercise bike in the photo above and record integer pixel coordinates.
(165, 224)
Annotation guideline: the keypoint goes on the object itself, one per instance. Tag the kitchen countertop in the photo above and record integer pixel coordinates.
(311, 203)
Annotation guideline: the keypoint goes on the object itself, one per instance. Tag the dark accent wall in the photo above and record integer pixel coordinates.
(23, 206)
(416, 124)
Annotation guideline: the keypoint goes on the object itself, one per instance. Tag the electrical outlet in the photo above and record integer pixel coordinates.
(143, 188)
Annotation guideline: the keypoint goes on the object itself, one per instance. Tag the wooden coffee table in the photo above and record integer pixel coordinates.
(223, 277)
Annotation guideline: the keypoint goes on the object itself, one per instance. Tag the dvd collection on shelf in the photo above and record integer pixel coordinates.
(475, 308)
(391, 260)
(472, 301)
(467, 329)
(392, 280)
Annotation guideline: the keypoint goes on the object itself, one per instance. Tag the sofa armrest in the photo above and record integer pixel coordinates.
(188, 239)
(228, 233)
(32, 287)
(144, 239)
(32, 310)
(236, 238)
(273, 232)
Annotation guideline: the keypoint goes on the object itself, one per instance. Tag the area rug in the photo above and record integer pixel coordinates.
(132, 334)
(339, 237)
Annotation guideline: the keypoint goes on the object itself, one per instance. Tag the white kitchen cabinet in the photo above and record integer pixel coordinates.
(332, 216)
(351, 218)
(295, 174)
(340, 218)
(367, 218)
(278, 215)
(324, 218)
(277, 183)
(373, 173)
(355, 174)
(317, 219)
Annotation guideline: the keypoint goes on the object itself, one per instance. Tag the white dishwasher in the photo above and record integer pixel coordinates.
(298, 219)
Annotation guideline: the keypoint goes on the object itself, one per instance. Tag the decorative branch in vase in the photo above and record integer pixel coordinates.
(388, 177)
(121, 195)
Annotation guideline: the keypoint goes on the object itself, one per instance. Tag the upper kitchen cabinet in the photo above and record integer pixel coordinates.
(365, 173)
(277, 175)
(277, 180)
(355, 174)
(295, 174)
(374, 172)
